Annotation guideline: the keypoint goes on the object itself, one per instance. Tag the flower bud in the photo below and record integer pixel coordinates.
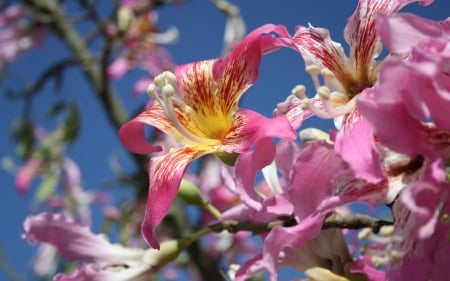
(190, 193)
(167, 253)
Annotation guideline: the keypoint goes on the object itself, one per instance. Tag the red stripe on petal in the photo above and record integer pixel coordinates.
(249, 127)
(317, 48)
(165, 174)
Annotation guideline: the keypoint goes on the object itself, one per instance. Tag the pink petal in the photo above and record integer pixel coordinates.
(247, 165)
(395, 119)
(249, 127)
(287, 154)
(293, 111)
(401, 32)
(422, 199)
(292, 237)
(26, 174)
(118, 67)
(355, 143)
(132, 134)
(75, 242)
(360, 32)
(217, 85)
(165, 174)
(317, 48)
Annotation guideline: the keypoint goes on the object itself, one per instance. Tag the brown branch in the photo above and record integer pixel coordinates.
(354, 221)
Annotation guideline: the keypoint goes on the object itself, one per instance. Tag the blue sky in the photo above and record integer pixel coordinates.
(201, 30)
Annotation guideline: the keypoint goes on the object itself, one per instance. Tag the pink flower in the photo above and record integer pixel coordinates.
(198, 107)
(345, 78)
(142, 45)
(105, 261)
(414, 108)
(27, 173)
(15, 35)
(317, 182)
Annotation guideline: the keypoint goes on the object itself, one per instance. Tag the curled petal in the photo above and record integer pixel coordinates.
(132, 133)
(247, 165)
(165, 173)
(422, 199)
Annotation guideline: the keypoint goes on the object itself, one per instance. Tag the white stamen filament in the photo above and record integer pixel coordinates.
(163, 90)
(270, 175)
(326, 93)
(325, 109)
(314, 71)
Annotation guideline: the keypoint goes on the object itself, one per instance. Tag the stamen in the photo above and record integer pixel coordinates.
(314, 71)
(299, 91)
(385, 252)
(329, 94)
(163, 90)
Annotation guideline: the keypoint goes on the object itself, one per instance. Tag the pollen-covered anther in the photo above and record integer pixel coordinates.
(299, 91)
(164, 78)
(324, 93)
(168, 90)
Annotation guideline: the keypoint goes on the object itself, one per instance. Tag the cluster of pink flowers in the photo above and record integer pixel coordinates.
(390, 146)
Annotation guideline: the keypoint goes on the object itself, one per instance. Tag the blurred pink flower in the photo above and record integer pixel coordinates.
(27, 173)
(141, 42)
(198, 107)
(16, 35)
(106, 261)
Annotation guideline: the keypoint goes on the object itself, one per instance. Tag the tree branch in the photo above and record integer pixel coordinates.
(354, 221)
(81, 54)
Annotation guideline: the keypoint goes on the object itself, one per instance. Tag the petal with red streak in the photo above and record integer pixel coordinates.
(165, 174)
(360, 32)
(317, 48)
(249, 127)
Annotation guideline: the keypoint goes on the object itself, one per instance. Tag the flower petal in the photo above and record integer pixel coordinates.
(75, 242)
(165, 174)
(361, 34)
(132, 133)
(247, 165)
(215, 86)
(355, 143)
(249, 127)
(317, 48)
(401, 32)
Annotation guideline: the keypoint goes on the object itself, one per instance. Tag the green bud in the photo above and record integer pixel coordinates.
(168, 252)
(190, 193)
